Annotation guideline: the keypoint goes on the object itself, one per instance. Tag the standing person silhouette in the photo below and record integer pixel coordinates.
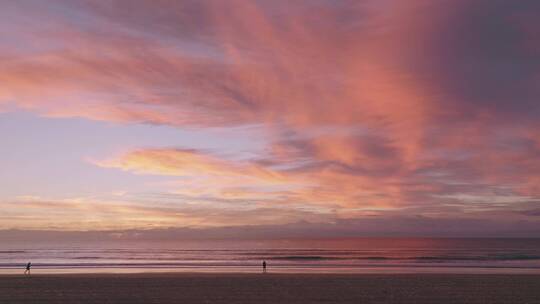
(27, 271)
(264, 266)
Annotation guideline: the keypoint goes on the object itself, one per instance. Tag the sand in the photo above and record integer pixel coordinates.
(269, 288)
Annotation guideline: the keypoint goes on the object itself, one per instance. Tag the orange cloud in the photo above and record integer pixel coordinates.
(81, 214)
(189, 163)
(203, 174)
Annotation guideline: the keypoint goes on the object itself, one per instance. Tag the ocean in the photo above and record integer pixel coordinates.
(338, 255)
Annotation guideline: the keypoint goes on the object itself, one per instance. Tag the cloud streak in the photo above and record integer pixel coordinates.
(365, 107)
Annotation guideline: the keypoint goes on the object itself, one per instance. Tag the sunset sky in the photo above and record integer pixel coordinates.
(365, 117)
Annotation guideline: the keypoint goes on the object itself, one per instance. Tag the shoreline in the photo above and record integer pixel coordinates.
(254, 274)
(442, 270)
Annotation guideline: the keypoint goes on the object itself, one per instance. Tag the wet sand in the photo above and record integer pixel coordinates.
(269, 288)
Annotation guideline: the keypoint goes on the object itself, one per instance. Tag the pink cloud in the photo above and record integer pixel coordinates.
(440, 102)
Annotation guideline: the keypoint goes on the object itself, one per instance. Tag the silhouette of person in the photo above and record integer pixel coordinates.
(264, 266)
(27, 271)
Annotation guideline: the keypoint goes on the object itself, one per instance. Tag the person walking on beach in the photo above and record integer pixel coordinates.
(264, 266)
(27, 271)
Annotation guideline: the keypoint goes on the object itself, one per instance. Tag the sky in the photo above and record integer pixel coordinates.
(312, 118)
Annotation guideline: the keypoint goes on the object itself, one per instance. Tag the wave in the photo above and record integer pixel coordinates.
(244, 266)
(303, 258)
(417, 258)
(479, 258)
(323, 258)
(300, 258)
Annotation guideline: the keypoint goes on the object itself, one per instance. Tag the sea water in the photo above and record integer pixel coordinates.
(337, 255)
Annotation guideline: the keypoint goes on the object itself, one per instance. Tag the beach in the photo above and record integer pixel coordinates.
(269, 288)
